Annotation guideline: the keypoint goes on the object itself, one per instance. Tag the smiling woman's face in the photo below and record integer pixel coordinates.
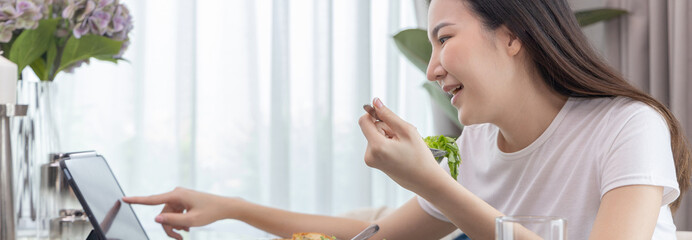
(481, 62)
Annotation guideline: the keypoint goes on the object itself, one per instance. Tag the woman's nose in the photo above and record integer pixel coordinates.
(435, 70)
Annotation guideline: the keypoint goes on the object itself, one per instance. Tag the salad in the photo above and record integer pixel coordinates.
(449, 145)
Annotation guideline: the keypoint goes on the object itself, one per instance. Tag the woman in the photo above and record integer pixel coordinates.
(551, 130)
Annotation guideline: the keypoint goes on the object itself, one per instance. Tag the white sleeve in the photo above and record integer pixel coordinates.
(641, 155)
(431, 210)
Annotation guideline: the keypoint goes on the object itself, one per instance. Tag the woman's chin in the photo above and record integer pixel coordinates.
(462, 119)
(465, 119)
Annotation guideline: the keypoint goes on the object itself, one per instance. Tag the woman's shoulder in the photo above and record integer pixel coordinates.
(609, 117)
(616, 109)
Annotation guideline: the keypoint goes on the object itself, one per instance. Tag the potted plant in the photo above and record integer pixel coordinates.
(50, 37)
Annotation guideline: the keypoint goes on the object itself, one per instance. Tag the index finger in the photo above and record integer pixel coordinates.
(390, 118)
(149, 200)
(369, 129)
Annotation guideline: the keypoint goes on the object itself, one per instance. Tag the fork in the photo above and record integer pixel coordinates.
(367, 233)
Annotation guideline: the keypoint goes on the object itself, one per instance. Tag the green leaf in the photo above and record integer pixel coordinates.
(108, 58)
(414, 44)
(40, 69)
(588, 17)
(50, 60)
(33, 43)
(86, 47)
(448, 145)
(442, 99)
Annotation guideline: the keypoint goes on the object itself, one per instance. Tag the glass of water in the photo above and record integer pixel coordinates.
(530, 227)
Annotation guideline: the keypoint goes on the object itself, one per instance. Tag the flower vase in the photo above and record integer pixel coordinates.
(36, 138)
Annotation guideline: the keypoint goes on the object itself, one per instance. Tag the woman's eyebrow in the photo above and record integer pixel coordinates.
(439, 26)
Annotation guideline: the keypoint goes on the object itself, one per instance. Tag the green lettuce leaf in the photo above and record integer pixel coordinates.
(449, 145)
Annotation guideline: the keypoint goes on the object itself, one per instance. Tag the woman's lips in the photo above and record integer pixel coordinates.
(455, 90)
(456, 95)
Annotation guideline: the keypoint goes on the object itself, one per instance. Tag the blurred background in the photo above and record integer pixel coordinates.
(260, 99)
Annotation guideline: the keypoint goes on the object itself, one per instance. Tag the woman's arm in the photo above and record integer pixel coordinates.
(471, 214)
(186, 208)
(411, 222)
(284, 223)
(628, 212)
(407, 222)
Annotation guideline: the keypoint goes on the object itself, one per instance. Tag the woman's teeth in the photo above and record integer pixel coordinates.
(455, 90)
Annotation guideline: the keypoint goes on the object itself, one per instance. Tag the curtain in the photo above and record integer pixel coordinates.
(256, 99)
(650, 46)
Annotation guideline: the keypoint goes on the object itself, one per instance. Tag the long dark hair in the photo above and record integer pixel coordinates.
(561, 53)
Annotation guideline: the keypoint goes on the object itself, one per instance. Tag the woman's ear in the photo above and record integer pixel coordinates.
(511, 42)
(514, 45)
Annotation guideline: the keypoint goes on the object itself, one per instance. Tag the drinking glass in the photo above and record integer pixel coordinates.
(530, 227)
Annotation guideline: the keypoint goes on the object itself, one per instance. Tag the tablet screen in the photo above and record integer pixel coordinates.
(103, 196)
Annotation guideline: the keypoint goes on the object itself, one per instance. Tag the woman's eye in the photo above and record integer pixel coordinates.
(443, 40)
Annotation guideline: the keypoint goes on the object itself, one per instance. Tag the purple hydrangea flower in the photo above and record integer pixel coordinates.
(7, 11)
(77, 10)
(106, 18)
(101, 17)
(20, 14)
(6, 29)
(28, 14)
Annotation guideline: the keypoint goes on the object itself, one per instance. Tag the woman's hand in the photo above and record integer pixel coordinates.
(396, 148)
(185, 208)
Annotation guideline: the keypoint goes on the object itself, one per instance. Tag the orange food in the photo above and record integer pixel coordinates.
(310, 236)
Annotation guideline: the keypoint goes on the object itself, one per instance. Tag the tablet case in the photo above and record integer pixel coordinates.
(93, 235)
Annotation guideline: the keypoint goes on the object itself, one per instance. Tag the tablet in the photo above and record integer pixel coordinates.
(94, 184)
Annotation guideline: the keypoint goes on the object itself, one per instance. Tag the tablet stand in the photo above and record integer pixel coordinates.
(93, 236)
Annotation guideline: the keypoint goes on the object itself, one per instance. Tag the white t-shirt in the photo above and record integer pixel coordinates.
(591, 147)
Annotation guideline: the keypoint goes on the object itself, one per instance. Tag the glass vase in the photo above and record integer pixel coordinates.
(36, 138)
